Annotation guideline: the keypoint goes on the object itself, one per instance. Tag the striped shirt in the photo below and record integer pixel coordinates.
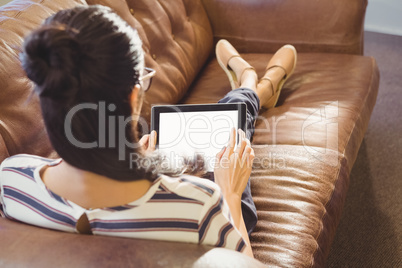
(184, 209)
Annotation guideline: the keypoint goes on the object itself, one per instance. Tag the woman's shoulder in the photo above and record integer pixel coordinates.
(21, 160)
(25, 161)
(191, 186)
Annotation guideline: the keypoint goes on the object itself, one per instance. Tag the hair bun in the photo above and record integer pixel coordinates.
(50, 58)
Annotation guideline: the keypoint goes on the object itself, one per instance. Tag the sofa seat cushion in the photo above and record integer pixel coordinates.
(326, 104)
(304, 149)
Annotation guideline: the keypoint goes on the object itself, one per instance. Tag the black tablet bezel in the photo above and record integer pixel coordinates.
(158, 109)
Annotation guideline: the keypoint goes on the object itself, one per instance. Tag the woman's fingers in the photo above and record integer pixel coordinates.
(243, 153)
(152, 141)
(248, 152)
(242, 142)
(247, 157)
(148, 141)
(218, 157)
(144, 140)
(232, 141)
(220, 154)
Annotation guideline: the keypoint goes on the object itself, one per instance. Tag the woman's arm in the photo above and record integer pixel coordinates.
(232, 171)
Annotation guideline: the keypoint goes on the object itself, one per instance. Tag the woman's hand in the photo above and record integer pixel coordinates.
(232, 171)
(233, 167)
(148, 142)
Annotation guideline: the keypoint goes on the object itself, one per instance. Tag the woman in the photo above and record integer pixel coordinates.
(90, 56)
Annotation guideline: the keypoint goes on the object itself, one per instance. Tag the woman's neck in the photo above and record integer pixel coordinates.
(90, 190)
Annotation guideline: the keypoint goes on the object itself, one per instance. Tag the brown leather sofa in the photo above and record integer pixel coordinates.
(305, 147)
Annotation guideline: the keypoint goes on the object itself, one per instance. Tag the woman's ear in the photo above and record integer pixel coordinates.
(135, 101)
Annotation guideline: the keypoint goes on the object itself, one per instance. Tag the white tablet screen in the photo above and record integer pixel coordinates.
(185, 133)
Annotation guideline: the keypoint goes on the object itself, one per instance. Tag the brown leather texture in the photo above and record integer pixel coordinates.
(311, 26)
(21, 124)
(48, 248)
(305, 147)
(324, 89)
(177, 38)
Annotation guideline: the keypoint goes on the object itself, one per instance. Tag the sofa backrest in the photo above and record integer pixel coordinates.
(177, 39)
(335, 26)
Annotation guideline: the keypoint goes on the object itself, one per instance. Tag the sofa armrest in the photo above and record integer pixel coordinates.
(3, 149)
(311, 26)
(29, 246)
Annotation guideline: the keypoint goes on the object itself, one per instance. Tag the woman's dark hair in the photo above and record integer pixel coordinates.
(85, 61)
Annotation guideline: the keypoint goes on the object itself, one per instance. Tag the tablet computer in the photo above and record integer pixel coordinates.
(184, 130)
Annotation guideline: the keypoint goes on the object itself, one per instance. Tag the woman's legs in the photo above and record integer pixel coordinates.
(255, 94)
(247, 93)
(252, 101)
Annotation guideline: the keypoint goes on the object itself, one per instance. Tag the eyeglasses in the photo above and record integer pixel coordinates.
(146, 78)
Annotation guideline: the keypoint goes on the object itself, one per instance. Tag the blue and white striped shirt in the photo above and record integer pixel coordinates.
(184, 209)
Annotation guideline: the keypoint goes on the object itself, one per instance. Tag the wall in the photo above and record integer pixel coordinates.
(384, 16)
